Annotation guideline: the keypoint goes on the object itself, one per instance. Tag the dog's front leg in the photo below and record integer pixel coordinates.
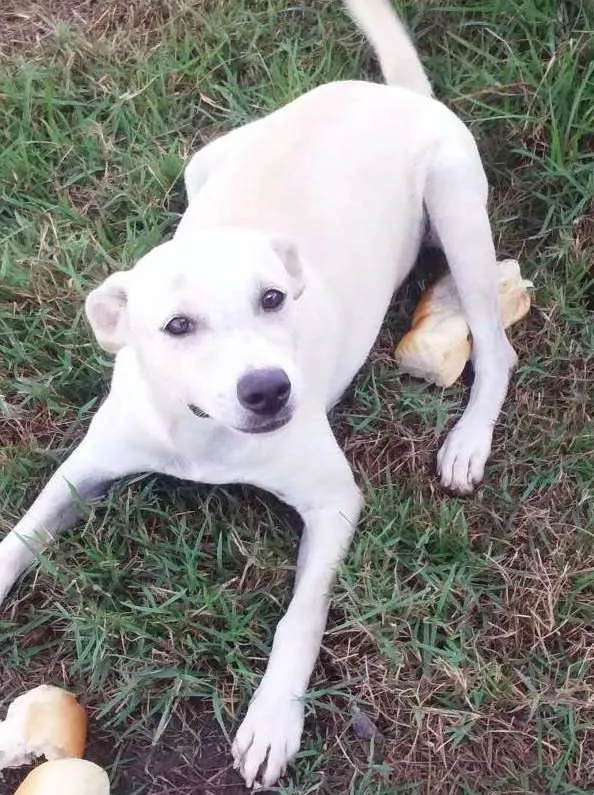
(321, 487)
(101, 457)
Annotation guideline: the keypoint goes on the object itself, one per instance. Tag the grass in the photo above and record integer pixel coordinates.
(463, 628)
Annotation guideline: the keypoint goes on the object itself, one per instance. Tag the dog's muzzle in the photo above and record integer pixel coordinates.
(264, 392)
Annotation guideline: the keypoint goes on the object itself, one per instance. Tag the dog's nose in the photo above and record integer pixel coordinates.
(264, 391)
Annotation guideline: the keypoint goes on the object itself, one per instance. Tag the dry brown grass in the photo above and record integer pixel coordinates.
(28, 28)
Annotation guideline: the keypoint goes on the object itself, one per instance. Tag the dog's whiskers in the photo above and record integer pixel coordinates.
(198, 411)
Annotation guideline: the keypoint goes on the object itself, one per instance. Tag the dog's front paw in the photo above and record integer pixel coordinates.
(462, 458)
(268, 738)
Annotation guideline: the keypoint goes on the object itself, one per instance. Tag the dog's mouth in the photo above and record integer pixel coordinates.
(198, 411)
(255, 426)
(268, 425)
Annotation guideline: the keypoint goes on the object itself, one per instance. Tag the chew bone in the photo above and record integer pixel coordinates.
(46, 721)
(66, 777)
(438, 345)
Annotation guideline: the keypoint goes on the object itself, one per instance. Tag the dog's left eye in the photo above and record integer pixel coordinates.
(179, 325)
(271, 300)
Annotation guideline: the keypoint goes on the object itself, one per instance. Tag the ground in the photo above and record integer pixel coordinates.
(462, 628)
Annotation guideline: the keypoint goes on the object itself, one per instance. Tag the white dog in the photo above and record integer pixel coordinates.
(235, 338)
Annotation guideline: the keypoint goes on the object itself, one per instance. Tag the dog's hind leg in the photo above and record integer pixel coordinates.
(455, 197)
(98, 460)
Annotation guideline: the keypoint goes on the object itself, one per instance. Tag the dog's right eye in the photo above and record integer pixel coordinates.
(178, 326)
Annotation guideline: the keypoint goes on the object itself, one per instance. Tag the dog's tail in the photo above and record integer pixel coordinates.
(395, 51)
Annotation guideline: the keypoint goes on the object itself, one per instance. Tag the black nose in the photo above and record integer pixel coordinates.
(265, 391)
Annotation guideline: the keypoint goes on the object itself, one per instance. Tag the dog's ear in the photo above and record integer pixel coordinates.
(289, 256)
(106, 310)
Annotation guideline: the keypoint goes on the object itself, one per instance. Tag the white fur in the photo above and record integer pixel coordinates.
(327, 200)
(396, 53)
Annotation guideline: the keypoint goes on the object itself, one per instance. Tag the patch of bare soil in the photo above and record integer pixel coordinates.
(191, 758)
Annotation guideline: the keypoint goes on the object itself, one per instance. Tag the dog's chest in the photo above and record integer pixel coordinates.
(210, 453)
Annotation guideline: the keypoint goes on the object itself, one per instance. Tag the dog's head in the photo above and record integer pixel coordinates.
(212, 322)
